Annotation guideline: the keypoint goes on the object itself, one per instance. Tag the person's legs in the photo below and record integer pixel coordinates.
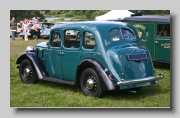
(25, 35)
(13, 35)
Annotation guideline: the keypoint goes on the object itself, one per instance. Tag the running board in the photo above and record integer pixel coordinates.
(58, 80)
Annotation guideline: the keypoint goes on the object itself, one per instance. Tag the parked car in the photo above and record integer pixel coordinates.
(154, 32)
(60, 23)
(35, 30)
(114, 59)
(45, 33)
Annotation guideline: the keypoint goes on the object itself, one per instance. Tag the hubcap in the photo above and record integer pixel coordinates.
(90, 84)
(27, 72)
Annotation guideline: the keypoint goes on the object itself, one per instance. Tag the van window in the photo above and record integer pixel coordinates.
(163, 30)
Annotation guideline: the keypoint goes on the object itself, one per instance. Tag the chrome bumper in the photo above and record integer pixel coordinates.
(140, 80)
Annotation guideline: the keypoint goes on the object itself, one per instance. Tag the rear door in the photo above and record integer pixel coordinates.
(162, 42)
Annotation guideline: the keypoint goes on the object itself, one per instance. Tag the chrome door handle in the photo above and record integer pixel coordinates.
(156, 42)
(60, 53)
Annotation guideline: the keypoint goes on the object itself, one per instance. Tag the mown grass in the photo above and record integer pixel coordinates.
(49, 94)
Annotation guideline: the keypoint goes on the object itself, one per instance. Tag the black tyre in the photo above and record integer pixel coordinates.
(90, 83)
(27, 72)
(34, 36)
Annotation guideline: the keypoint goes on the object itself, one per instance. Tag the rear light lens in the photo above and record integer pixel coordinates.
(111, 76)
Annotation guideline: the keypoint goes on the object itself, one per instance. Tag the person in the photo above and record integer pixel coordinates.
(25, 29)
(30, 24)
(13, 27)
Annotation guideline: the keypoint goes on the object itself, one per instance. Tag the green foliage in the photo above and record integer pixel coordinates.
(22, 14)
(78, 14)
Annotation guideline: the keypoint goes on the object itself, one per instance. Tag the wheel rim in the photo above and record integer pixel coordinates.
(90, 84)
(27, 73)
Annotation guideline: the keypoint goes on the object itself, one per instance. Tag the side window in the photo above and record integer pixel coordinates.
(89, 41)
(163, 30)
(55, 39)
(127, 34)
(72, 39)
(114, 35)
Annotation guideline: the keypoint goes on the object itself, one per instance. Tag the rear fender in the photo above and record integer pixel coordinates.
(38, 65)
(107, 84)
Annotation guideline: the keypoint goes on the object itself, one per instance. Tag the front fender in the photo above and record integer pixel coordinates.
(38, 65)
(108, 84)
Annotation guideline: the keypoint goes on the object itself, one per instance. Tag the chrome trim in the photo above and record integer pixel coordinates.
(140, 80)
(29, 49)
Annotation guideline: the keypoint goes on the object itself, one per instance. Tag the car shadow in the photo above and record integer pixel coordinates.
(58, 85)
(144, 92)
(161, 65)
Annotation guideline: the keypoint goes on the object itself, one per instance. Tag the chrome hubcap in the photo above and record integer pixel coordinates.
(90, 84)
(27, 72)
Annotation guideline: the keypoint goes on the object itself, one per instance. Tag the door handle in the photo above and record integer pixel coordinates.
(156, 42)
(60, 53)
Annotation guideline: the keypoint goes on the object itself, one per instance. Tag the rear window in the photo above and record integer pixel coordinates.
(124, 34)
(127, 34)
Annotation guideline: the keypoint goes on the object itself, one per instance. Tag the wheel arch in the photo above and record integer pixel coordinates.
(107, 84)
(35, 62)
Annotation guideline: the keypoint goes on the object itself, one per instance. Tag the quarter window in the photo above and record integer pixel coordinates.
(89, 41)
(114, 35)
(164, 30)
(72, 39)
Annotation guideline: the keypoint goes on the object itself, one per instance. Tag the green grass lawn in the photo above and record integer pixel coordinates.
(49, 94)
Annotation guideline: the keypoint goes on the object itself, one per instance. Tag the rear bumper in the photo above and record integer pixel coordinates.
(140, 80)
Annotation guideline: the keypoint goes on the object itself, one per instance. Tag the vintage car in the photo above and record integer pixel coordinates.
(45, 33)
(113, 59)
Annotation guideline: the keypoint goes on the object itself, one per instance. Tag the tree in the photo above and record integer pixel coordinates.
(22, 14)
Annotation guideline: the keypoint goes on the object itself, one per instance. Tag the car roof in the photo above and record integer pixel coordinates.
(95, 24)
(148, 18)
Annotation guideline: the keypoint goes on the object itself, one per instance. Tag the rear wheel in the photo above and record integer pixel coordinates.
(90, 83)
(27, 72)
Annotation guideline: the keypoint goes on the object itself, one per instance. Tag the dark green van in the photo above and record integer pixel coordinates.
(154, 32)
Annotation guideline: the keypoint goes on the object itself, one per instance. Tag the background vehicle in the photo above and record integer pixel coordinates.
(97, 56)
(34, 32)
(154, 32)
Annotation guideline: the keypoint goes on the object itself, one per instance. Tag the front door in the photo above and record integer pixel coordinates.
(54, 59)
(162, 42)
(71, 53)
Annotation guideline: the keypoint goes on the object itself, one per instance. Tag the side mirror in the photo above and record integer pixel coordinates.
(47, 43)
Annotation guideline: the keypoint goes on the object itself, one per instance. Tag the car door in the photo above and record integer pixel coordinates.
(54, 59)
(71, 53)
(162, 42)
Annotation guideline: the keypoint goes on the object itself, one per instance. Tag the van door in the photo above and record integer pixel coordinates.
(146, 35)
(162, 42)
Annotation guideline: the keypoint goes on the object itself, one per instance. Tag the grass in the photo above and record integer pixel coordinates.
(49, 94)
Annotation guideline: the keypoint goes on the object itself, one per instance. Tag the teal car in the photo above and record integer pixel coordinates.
(98, 56)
